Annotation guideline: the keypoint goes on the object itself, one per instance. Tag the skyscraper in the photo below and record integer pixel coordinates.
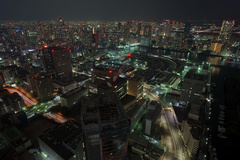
(105, 127)
(57, 60)
(42, 86)
(226, 30)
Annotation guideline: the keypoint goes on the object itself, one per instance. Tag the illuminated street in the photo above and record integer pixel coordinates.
(119, 80)
(172, 136)
(28, 98)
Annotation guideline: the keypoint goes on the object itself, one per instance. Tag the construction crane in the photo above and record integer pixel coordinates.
(112, 82)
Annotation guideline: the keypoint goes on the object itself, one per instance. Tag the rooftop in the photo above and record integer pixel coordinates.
(62, 83)
(67, 133)
(192, 74)
(194, 108)
(133, 109)
(153, 114)
(136, 78)
(72, 92)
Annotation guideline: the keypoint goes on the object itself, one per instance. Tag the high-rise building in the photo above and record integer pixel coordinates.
(217, 47)
(42, 86)
(135, 86)
(147, 31)
(150, 120)
(135, 112)
(105, 127)
(193, 86)
(191, 136)
(226, 30)
(95, 38)
(100, 77)
(166, 28)
(57, 60)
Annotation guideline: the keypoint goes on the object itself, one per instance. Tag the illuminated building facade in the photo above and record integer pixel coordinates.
(217, 47)
(135, 86)
(226, 30)
(101, 76)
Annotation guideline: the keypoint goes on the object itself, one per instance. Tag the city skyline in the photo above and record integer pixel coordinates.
(119, 10)
(138, 80)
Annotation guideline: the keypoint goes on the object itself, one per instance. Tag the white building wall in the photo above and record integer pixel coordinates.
(148, 126)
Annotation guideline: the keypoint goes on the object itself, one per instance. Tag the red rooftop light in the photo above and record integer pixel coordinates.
(129, 55)
(110, 71)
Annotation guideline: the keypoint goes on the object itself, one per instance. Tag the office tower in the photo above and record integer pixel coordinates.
(127, 32)
(135, 112)
(148, 31)
(217, 47)
(135, 86)
(150, 120)
(60, 21)
(193, 87)
(226, 30)
(101, 76)
(105, 127)
(119, 27)
(166, 28)
(42, 86)
(187, 29)
(95, 39)
(57, 60)
(191, 128)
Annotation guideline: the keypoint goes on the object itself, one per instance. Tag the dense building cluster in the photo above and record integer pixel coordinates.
(113, 90)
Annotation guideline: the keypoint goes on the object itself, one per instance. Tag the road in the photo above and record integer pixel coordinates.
(171, 135)
(27, 97)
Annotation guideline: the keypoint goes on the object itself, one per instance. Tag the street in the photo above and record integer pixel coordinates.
(171, 135)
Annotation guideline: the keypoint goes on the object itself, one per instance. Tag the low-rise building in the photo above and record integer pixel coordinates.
(135, 112)
(64, 142)
(149, 122)
(15, 139)
(14, 101)
(144, 148)
(64, 86)
(72, 97)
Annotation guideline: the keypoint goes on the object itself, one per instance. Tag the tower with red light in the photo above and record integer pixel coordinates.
(57, 60)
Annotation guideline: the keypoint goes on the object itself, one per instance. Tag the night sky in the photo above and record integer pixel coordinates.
(109, 10)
